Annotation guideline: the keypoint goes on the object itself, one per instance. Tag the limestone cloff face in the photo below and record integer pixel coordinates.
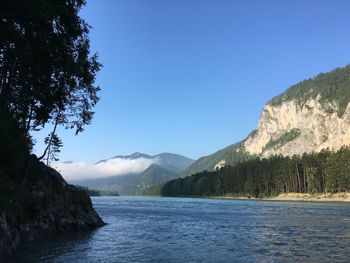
(319, 128)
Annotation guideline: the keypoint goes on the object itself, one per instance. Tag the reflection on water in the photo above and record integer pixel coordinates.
(151, 229)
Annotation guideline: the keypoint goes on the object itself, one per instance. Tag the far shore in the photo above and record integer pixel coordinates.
(324, 197)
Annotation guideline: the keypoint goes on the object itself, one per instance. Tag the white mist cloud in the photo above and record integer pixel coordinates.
(81, 170)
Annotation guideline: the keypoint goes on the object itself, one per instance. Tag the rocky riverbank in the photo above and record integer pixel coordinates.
(39, 203)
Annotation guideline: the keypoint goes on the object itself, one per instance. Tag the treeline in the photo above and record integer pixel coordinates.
(153, 190)
(324, 172)
(95, 192)
(332, 86)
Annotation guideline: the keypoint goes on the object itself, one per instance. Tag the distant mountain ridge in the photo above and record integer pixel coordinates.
(165, 166)
(133, 156)
(308, 117)
(170, 161)
(231, 155)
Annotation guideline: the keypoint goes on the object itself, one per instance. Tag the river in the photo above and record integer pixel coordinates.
(155, 229)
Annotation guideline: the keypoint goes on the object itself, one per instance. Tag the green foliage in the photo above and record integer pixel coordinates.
(94, 192)
(47, 74)
(105, 193)
(54, 147)
(312, 173)
(332, 87)
(202, 184)
(153, 190)
(232, 154)
(146, 182)
(14, 144)
(283, 139)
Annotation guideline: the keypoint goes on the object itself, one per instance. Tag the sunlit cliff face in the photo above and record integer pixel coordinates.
(319, 129)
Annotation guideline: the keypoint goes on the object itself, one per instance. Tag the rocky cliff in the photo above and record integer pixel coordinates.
(290, 129)
(39, 202)
(308, 117)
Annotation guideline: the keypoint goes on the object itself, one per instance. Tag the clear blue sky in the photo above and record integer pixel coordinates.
(192, 76)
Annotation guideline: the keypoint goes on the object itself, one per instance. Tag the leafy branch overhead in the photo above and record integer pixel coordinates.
(47, 74)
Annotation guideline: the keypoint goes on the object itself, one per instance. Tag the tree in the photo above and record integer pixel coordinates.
(54, 144)
(47, 74)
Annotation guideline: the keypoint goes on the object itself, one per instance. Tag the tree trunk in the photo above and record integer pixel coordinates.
(298, 176)
(50, 140)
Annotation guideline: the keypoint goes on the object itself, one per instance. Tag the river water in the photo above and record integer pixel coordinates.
(155, 229)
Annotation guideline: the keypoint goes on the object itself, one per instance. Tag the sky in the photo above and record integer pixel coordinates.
(192, 76)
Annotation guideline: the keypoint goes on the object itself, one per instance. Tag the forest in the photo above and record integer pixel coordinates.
(332, 87)
(323, 172)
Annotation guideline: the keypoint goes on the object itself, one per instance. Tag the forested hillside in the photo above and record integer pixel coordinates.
(308, 117)
(332, 87)
(326, 171)
(231, 155)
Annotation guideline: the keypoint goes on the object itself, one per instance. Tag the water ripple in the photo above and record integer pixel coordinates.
(145, 229)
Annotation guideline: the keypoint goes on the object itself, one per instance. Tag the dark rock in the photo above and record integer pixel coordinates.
(40, 204)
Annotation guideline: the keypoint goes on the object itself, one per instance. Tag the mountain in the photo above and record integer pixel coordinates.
(173, 162)
(130, 184)
(162, 168)
(310, 116)
(227, 156)
(133, 156)
(169, 161)
(152, 176)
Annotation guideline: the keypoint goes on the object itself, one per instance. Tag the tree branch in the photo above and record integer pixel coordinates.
(50, 141)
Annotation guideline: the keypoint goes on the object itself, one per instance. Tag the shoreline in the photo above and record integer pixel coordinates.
(336, 197)
(296, 197)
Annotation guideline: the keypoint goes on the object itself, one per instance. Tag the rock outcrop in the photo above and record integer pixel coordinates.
(41, 203)
(219, 165)
(289, 129)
